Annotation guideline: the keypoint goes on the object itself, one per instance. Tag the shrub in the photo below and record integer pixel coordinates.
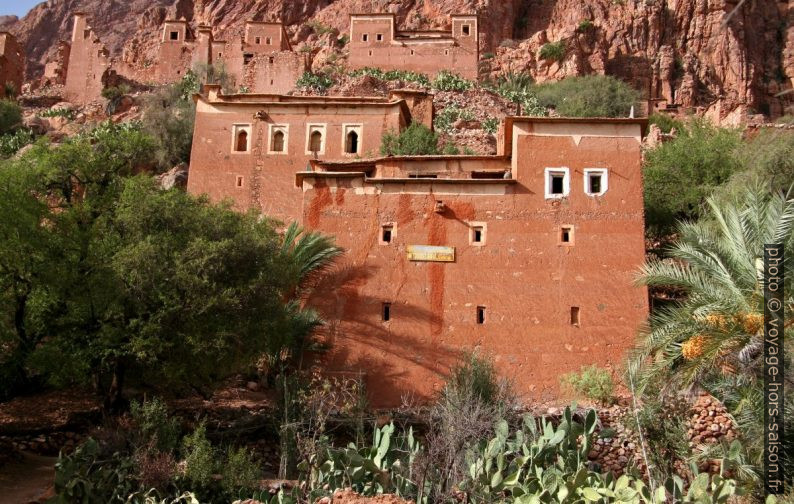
(416, 139)
(89, 475)
(585, 25)
(448, 81)
(665, 122)
(488, 55)
(168, 116)
(343, 40)
(153, 424)
(450, 149)
(393, 75)
(240, 470)
(591, 382)
(10, 89)
(10, 143)
(319, 28)
(58, 112)
(113, 95)
(491, 125)
(199, 457)
(553, 51)
(680, 174)
(517, 88)
(10, 116)
(588, 96)
(451, 113)
(317, 82)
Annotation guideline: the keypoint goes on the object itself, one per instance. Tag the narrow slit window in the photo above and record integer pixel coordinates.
(575, 316)
(386, 312)
(480, 314)
(370, 53)
(386, 233)
(412, 52)
(466, 29)
(239, 181)
(174, 35)
(241, 143)
(220, 54)
(566, 234)
(351, 142)
(315, 141)
(278, 141)
(477, 234)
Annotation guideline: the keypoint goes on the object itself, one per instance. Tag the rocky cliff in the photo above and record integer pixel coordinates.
(722, 56)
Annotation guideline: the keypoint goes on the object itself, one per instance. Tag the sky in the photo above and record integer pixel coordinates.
(17, 7)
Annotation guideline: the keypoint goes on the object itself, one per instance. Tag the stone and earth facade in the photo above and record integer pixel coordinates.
(12, 64)
(526, 255)
(375, 41)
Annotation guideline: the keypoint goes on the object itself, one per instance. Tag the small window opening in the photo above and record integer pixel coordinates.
(315, 141)
(247, 57)
(174, 35)
(268, 41)
(270, 60)
(386, 312)
(412, 52)
(575, 316)
(386, 233)
(370, 53)
(557, 183)
(466, 29)
(239, 181)
(220, 54)
(351, 143)
(278, 141)
(258, 40)
(477, 234)
(379, 37)
(595, 183)
(446, 52)
(271, 82)
(242, 141)
(364, 37)
(566, 234)
(480, 314)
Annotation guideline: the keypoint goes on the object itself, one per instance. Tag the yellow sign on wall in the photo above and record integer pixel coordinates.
(431, 253)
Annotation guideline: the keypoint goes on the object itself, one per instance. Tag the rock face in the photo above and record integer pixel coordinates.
(689, 53)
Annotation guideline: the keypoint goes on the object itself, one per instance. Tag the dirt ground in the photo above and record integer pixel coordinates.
(27, 480)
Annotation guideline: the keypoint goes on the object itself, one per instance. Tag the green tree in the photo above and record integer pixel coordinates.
(680, 174)
(168, 116)
(10, 116)
(714, 336)
(416, 139)
(588, 96)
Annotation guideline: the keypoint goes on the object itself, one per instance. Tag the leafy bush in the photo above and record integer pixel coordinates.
(491, 125)
(343, 40)
(58, 112)
(318, 28)
(91, 476)
(488, 55)
(447, 117)
(450, 149)
(10, 143)
(151, 419)
(680, 174)
(317, 82)
(240, 470)
(591, 382)
(168, 116)
(665, 122)
(10, 89)
(416, 139)
(585, 25)
(199, 457)
(553, 51)
(588, 96)
(10, 116)
(448, 81)
(393, 75)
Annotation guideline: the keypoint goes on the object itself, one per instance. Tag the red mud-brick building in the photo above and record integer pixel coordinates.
(12, 63)
(89, 69)
(376, 42)
(527, 256)
(248, 147)
(262, 61)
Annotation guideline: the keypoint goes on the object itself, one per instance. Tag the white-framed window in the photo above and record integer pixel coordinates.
(387, 232)
(566, 235)
(278, 139)
(557, 182)
(238, 181)
(477, 231)
(596, 181)
(315, 139)
(241, 138)
(351, 138)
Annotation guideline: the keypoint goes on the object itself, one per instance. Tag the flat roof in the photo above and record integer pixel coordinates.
(423, 157)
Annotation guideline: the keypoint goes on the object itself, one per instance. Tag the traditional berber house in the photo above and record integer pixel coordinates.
(12, 64)
(375, 41)
(527, 256)
(262, 61)
(89, 69)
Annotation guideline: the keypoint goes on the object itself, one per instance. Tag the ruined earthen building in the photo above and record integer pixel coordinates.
(12, 64)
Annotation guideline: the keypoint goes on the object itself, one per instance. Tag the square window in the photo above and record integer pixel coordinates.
(480, 314)
(258, 40)
(379, 37)
(557, 183)
(364, 37)
(466, 29)
(566, 235)
(595, 181)
(477, 233)
(386, 233)
(268, 41)
(239, 182)
(174, 35)
(575, 316)
(385, 313)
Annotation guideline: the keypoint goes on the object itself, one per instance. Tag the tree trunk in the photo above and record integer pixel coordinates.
(114, 401)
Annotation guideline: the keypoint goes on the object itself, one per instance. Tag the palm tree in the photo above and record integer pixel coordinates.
(713, 338)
